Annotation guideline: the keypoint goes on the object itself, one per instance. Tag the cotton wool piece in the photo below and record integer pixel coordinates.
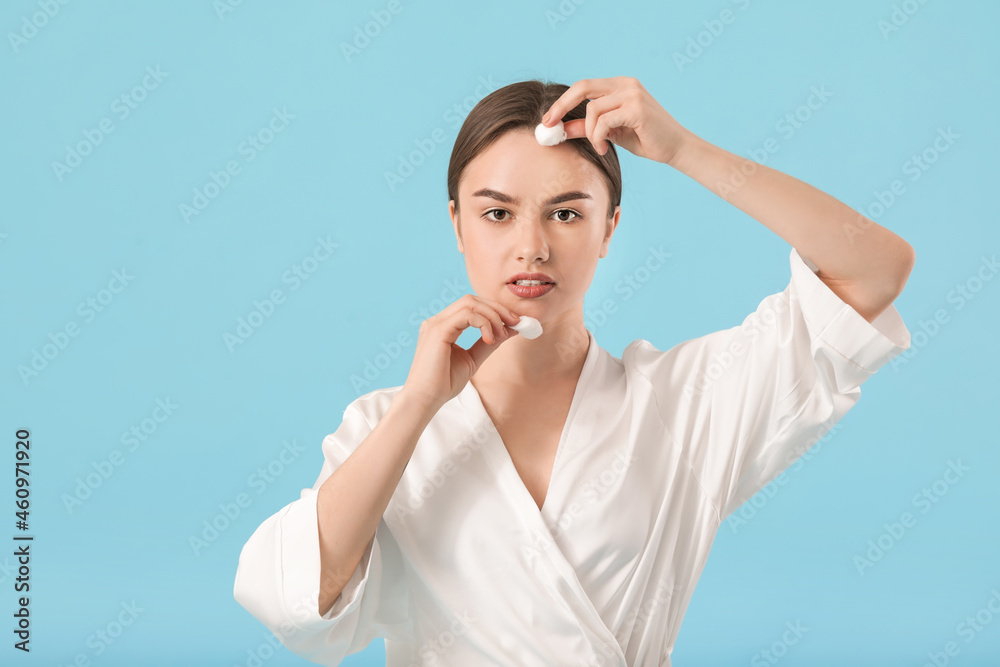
(550, 136)
(528, 327)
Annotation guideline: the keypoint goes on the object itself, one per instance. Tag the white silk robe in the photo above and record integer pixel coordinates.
(657, 450)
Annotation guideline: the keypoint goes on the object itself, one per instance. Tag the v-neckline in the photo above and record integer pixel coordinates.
(497, 449)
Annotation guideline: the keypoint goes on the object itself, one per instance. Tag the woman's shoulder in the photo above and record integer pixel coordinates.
(375, 403)
(645, 356)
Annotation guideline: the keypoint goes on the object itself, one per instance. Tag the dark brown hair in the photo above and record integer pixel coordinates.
(522, 105)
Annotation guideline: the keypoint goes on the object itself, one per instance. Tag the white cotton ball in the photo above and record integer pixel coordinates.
(528, 327)
(550, 136)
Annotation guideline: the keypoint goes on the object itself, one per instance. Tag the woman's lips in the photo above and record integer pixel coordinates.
(530, 291)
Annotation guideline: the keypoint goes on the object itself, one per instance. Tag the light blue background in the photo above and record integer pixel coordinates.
(162, 336)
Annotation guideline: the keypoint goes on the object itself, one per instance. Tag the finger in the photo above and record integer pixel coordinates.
(596, 110)
(506, 314)
(480, 350)
(455, 306)
(494, 311)
(605, 124)
(576, 93)
(576, 128)
(470, 300)
(466, 302)
(485, 327)
(580, 127)
(459, 321)
(484, 309)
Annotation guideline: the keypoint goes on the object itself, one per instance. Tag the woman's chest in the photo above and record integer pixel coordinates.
(532, 443)
(530, 426)
(612, 489)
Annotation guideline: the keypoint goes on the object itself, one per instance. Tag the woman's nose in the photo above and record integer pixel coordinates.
(532, 241)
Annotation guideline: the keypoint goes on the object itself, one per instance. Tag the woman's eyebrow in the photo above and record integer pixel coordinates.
(507, 199)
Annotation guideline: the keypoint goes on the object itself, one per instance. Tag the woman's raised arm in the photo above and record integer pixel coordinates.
(865, 264)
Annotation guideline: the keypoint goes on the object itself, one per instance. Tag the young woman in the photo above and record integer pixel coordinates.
(538, 501)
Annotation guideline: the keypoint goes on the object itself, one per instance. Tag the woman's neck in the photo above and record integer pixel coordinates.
(557, 355)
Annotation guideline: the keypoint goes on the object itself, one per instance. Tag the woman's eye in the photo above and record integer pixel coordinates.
(488, 215)
(493, 210)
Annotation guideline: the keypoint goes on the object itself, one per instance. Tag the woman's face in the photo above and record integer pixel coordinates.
(535, 209)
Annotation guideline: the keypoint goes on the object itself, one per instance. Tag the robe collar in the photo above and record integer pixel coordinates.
(544, 557)
(472, 405)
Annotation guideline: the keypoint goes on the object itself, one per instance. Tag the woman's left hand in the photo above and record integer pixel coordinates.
(622, 111)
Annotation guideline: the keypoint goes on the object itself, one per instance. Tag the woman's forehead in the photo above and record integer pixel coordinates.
(517, 165)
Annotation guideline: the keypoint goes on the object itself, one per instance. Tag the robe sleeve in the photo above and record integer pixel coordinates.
(750, 400)
(277, 578)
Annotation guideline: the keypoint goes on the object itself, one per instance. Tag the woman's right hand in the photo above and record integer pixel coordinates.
(440, 368)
